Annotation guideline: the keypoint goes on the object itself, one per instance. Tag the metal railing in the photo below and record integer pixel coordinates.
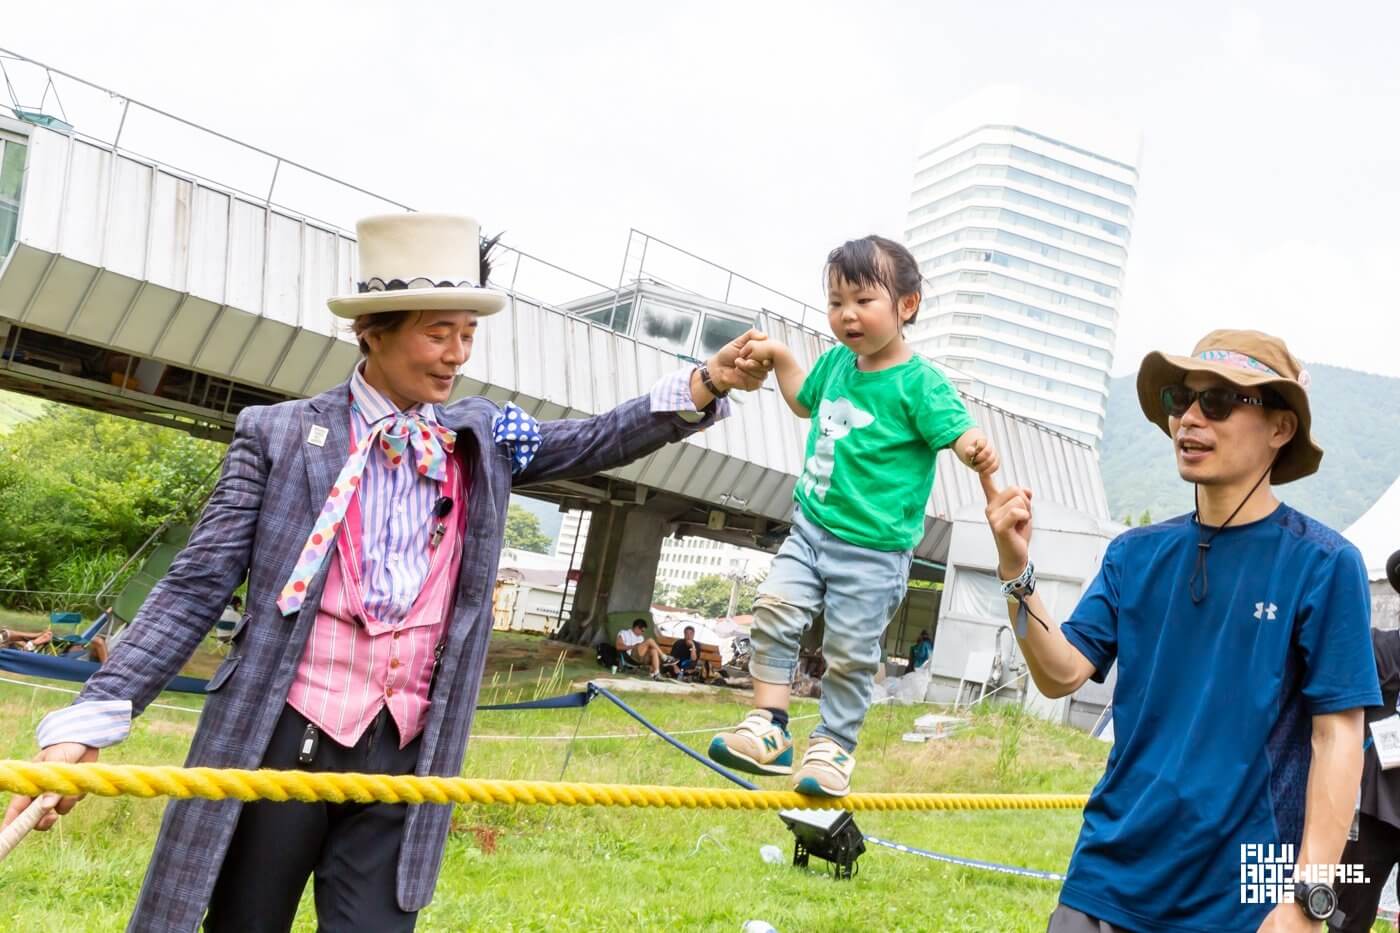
(650, 258)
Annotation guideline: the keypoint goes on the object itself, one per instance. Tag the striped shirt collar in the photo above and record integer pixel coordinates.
(374, 406)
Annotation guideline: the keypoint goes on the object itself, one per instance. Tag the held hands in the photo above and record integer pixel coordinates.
(976, 452)
(764, 350)
(1009, 515)
(69, 753)
(733, 368)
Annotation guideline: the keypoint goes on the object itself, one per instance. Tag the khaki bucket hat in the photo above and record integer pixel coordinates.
(1248, 359)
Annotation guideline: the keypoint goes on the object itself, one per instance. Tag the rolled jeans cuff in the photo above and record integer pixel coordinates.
(772, 670)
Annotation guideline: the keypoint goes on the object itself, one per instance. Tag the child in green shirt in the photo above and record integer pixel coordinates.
(879, 415)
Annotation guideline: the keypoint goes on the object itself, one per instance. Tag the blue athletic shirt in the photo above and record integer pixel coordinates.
(1212, 710)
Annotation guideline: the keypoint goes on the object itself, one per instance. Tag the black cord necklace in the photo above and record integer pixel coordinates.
(1203, 546)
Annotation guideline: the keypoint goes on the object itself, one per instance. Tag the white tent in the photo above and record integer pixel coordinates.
(1377, 533)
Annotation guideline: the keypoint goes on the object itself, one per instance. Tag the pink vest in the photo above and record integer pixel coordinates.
(353, 664)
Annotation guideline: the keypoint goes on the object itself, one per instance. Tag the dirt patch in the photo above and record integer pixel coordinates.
(486, 838)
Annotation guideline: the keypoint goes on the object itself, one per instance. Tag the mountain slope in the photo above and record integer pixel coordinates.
(1356, 420)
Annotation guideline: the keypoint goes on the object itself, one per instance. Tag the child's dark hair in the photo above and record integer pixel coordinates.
(877, 262)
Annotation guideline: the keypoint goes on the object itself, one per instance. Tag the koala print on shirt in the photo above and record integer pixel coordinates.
(837, 419)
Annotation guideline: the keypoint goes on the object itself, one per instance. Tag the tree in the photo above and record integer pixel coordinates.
(523, 531)
(81, 490)
(660, 593)
(709, 596)
(1146, 518)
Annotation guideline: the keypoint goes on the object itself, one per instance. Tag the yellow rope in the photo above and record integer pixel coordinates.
(105, 780)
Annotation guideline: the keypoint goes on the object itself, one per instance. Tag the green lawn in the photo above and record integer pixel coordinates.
(550, 869)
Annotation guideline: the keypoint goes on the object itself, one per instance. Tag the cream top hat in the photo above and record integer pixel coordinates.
(419, 262)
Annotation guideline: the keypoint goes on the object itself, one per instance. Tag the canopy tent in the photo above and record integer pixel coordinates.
(1377, 533)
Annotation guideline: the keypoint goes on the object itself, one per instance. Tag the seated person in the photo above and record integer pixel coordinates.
(233, 611)
(686, 652)
(642, 650)
(45, 643)
(921, 652)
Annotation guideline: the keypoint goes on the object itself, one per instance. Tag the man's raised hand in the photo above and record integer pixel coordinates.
(731, 368)
(1009, 516)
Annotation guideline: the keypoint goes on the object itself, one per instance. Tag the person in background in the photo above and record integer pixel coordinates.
(686, 652)
(921, 652)
(1377, 844)
(642, 650)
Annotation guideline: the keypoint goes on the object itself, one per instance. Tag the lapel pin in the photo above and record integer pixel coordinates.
(317, 437)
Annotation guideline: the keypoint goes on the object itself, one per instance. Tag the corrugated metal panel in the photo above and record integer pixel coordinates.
(209, 279)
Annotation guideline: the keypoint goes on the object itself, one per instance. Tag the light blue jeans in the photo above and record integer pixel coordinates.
(858, 588)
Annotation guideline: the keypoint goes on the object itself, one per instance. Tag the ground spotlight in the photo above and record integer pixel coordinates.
(828, 834)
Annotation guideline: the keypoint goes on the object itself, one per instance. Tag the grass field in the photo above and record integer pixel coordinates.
(550, 869)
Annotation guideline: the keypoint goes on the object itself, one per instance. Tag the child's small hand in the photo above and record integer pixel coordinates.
(984, 458)
(976, 451)
(766, 350)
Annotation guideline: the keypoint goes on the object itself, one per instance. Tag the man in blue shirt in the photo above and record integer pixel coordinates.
(1242, 637)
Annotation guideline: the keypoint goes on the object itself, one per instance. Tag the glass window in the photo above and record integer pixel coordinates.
(617, 318)
(1011, 196)
(716, 331)
(12, 156)
(667, 327)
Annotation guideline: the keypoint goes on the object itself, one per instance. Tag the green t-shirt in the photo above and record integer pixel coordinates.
(869, 465)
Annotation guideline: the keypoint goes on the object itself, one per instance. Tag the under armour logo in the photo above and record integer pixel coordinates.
(1260, 610)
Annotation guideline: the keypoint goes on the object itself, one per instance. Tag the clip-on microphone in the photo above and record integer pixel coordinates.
(441, 509)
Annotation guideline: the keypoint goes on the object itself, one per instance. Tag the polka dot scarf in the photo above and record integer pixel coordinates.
(393, 435)
(520, 432)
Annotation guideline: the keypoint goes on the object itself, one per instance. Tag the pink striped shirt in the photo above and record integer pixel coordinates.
(356, 662)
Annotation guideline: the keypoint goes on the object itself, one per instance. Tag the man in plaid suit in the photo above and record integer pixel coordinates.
(368, 522)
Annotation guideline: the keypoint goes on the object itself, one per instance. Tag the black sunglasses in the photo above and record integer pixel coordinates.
(1217, 403)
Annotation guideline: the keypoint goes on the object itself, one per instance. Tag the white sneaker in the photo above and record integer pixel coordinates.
(826, 769)
(756, 745)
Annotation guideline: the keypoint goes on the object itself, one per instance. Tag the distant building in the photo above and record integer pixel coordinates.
(1020, 218)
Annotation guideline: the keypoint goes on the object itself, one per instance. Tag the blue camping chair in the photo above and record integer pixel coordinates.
(64, 642)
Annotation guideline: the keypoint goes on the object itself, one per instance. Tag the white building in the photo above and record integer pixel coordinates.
(573, 532)
(1020, 218)
(683, 560)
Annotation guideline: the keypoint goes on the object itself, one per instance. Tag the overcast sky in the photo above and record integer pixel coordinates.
(761, 134)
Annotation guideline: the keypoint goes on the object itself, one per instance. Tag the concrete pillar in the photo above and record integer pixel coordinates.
(632, 579)
(618, 571)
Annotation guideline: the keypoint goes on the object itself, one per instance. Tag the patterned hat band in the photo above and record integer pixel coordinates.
(1237, 360)
(395, 285)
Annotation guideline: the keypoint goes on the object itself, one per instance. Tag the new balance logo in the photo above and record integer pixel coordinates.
(770, 743)
(1260, 610)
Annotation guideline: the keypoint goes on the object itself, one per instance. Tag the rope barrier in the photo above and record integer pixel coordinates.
(47, 592)
(475, 736)
(26, 683)
(967, 862)
(107, 780)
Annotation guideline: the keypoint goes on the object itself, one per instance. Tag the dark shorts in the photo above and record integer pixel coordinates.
(1068, 920)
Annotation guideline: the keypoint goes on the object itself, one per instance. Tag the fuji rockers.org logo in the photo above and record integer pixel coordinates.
(1268, 873)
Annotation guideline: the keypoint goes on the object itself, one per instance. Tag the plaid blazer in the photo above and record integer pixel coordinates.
(272, 485)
